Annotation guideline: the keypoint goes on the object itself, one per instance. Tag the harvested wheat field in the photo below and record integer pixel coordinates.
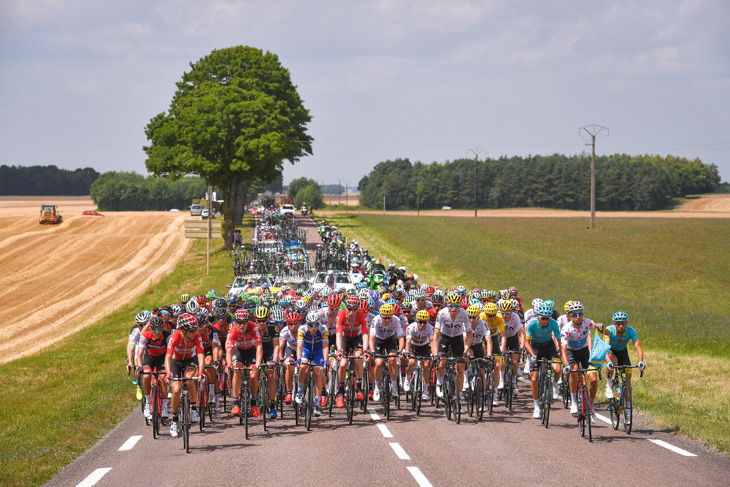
(57, 279)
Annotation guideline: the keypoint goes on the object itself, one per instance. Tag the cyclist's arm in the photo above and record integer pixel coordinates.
(468, 339)
(259, 354)
(407, 347)
(400, 343)
(528, 346)
(168, 363)
(435, 342)
(639, 350)
(365, 341)
(339, 341)
(521, 337)
(300, 349)
(564, 354)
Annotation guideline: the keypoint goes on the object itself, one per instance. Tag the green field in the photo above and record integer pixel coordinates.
(64, 399)
(670, 275)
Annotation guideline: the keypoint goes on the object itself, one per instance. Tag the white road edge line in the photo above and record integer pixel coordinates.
(420, 478)
(523, 380)
(384, 429)
(93, 477)
(671, 447)
(373, 414)
(603, 418)
(129, 444)
(399, 451)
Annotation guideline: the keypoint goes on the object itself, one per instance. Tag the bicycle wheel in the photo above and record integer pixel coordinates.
(365, 388)
(445, 386)
(547, 402)
(565, 392)
(581, 417)
(185, 423)
(246, 408)
(469, 396)
(202, 399)
(264, 398)
(309, 402)
(414, 389)
(332, 388)
(628, 411)
(478, 395)
(507, 393)
(385, 393)
(589, 411)
(155, 410)
(224, 389)
(418, 391)
(280, 391)
(457, 400)
(350, 396)
(613, 409)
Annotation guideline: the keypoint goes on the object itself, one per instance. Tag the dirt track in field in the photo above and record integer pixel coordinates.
(58, 279)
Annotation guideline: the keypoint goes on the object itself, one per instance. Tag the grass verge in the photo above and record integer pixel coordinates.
(62, 400)
(660, 271)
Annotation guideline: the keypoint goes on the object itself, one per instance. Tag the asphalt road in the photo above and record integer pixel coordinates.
(509, 447)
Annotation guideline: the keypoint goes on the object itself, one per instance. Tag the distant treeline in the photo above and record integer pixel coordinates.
(125, 191)
(623, 182)
(45, 181)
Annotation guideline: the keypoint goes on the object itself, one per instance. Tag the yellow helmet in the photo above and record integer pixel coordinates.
(423, 315)
(386, 310)
(505, 306)
(473, 311)
(490, 308)
(385, 296)
(566, 306)
(453, 298)
(261, 313)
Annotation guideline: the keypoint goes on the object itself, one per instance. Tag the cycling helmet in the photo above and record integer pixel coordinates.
(371, 305)
(453, 298)
(268, 303)
(241, 314)
(550, 303)
(312, 317)
(398, 293)
(220, 312)
(385, 297)
(418, 294)
(261, 313)
(536, 302)
(232, 300)
(192, 307)
(200, 299)
(620, 316)
(177, 310)
(461, 290)
(575, 306)
(143, 317)
(334, 301)
(423, 315)
(396, 308)
(156, 322)
(184, 298)
(187, 322)
(277, 314)
(291, 317)
(361, 285)
(438, 297)
(512, 291)
(474, 302)
(544, 310)
(386, 310)
(515, 304)
(325, 292)
(219, 303)
(364, 294)
(472, 311)
(307, 300)
(506, 306)
(352, 301)
(301, 305)
(202, 319)
(490, 308)
(567, 305)
(374, 295)
(364, 305)
(210, 295)
(407, 302)
(249, 304)
(285, 301)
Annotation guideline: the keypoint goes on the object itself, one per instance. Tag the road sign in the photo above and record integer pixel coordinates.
(199, 229)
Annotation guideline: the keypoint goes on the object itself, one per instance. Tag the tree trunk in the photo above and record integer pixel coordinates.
(234, 201)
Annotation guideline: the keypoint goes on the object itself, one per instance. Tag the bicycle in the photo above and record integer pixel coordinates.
(185, 408)
(449, 387)
(156, 402)
(386, 387)
(307, 406)
(508, 378)
(244, 396)
(545, 389)
(280, 387)
(476, 396)
(351, 386)
(332, 383)
(621, 406)
(417, 385)
(585, 409)
(263, 395)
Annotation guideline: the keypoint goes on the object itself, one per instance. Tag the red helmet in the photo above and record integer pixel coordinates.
(241, 314)
(334, 300)
(291, 317)
(364, 306)
(396, 309)
(352, 301)
(200, 299)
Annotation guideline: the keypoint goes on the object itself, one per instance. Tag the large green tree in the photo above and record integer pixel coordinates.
(234, 119)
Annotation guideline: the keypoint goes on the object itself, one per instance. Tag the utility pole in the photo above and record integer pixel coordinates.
(210, 229)
(347, 207)
(476, 151)
(339, 192)
(418, 198)
(593, 131)
(384, 202)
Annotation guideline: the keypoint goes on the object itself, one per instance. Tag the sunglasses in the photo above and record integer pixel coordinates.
(505, 313)
(579, 313)
(453, 306)
(312, 325)
(386, 318)
(544, 317)
(473, 317)
(491, 316)
(406, 311)
(352, 308)
(420, 299)
(423, 322)
(157, 328)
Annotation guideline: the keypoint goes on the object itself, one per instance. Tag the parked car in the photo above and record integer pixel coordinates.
(445, 207)
(91, 213)
(204, 213)
(196, 209)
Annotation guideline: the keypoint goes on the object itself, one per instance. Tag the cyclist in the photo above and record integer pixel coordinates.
(479, 331)
(151, 356)
(575, 350)
(351, 338)
(386, 337)
(288, 350)
(515, 334)
(142, 318)
(269, 331)
(418, 344)
(244, 345)
(617, 336)
(495, 323)
(213, 353)
(312, 346)
(541, 342)
(183, 347)
(452, 335)
(328, 318)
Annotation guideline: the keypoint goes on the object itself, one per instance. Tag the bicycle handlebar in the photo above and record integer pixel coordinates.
(623, 367)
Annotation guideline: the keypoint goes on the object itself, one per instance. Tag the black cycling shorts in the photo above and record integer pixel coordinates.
(451, 347)
(386, 346)
(153, 362)
(542, 350)
(180, 366)
(424, 351)
(580, 356)
(495, 344)
(351, 344)
(478, 350)
(513, 343)
(622, 356)
(245, 356)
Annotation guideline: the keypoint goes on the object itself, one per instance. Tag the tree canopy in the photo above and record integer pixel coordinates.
(234, 119)
(623, 182)
(45, 180)
(129, 191)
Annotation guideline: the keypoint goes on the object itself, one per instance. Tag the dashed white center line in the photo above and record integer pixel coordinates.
(384, 429)
(373, 414)
(93, 477)
(129, 444)
(420, 478)
(399, 451)
(671, 447)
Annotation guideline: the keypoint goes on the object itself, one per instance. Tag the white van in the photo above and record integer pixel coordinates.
(196, 209)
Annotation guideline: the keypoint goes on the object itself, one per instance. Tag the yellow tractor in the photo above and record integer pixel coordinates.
(49, 214)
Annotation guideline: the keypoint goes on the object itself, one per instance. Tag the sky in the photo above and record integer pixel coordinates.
(426, 80)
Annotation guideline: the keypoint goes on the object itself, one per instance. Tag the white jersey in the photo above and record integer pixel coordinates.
(562, 321)
(513, 325)
(576, 338)
(455, 328)
(323, 320)
(478, 332)
(419, 338)
(529, 314)
(382, 330)
(403, 322)
(289, 337)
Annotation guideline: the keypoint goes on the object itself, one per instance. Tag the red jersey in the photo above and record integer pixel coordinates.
(359, 327)
(182, 350)
(210, 336)
(245, 342)
(153, 347)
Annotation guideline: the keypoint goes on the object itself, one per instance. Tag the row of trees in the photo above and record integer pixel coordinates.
(45, 181)
(623, 182)
(129, 191)
(304, 190)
